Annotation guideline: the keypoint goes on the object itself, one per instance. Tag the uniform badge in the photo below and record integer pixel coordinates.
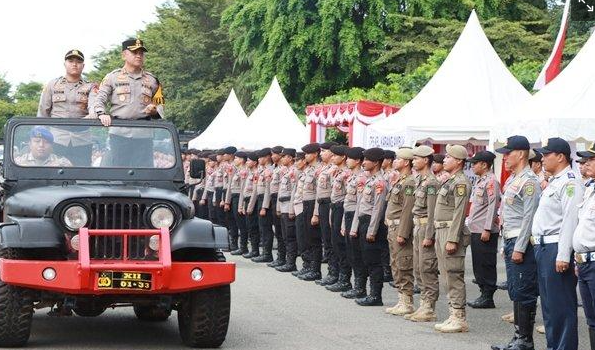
(122, 98)
(379, 187)
(529, 190)
(461, 190)
(431, 190)
(146, 99)
(571, 176)
(570, 190)
(409, 191)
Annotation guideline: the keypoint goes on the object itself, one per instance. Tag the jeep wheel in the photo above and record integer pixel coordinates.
(16, 310)
(151, 313)
(203, 317)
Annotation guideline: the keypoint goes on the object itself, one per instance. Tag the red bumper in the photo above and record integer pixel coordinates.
(87, 276)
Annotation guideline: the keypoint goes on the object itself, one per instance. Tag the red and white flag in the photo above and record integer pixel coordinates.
(554, 63)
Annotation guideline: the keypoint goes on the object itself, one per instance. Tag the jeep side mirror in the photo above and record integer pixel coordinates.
(197, 168)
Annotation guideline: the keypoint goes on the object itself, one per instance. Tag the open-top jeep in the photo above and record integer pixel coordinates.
(115, 231)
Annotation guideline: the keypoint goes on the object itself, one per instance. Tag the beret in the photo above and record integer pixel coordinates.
(311, 148)
(374, 154)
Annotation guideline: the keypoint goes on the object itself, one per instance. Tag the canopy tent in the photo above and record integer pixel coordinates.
(231, 120)
(273, 123)
(351, 117)
(460, 101)
(563, 108)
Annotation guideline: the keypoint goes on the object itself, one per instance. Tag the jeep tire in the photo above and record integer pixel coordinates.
(203, 317)
(16, 310)
(151, 313)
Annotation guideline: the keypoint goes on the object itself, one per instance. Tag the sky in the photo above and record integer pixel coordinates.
(36, 34)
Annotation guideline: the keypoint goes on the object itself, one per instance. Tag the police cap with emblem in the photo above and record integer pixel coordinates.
(555, 145)
(311, 148)
(374, 154)
(483, 156)
(264, 152)
(288, 152)
(74, 53)
(356, 153)
(515, 143)
(220, 152)
(41, 132)
(590, 153)
(133, 45)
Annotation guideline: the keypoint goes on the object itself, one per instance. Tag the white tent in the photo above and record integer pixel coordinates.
(231, 120)
(563, 108)
(273, 123)
(460, 101)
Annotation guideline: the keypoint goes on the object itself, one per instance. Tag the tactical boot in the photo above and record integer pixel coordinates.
(425, 313)
(358, 291)
(264, 258)
(450, 318)
(289, 266)
(403, 307)
(305, 269)
(233, 244)
(252, 254)
(343, 284)
(311, 275)
(485, 301)
(237, 252)
(374, 299)
(327, 280)
(458, 323)
(516, 335)
(592, 337)
(278, 262)
(526, 323)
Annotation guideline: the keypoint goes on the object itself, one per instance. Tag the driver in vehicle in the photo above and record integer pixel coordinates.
(41, 142)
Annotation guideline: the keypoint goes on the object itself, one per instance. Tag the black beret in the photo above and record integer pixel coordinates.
(213, 157)
(288, 152)
(328, 145)
(388, 154)
(253, 156)
(374, 154)
(241, 154)
(439, 158)
(355, 153)
(230, 150)
(483, 156)
(339, 150)
(277, 149)
(300, 155)
(311, 148)
(264, 152)
(220, 152)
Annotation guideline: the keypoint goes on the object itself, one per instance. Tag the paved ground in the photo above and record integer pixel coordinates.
(276, 311)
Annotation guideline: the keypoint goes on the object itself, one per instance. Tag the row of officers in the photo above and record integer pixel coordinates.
(360, 210)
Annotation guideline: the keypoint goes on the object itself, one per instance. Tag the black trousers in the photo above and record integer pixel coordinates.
(219, 212)
(371, 252)
(201, 211)
(300, 236)
(232, 217)
(211, 207)
(324, 217)
(278, 228)
(484, 255)
(289, 237)
(131, 152)
(338, 241)
(77, 155)
(353, 249)
(313, 236)
(252, 227)
(265, 224)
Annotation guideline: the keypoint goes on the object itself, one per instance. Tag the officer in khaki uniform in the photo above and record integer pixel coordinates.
(285, 209)
(399, 219)
(237, 181)
(262, 200)
(278, 172)
(452, 237)
(297, 200)
(425, 263)
(70, 96)
(484, 226)
(40, 153)
(246, 205)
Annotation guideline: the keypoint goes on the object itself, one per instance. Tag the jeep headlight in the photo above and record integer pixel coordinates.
(162, 217)
(75, 217)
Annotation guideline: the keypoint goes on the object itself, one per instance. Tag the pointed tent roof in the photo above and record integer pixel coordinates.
(230, 120)
(563, 108)
(462, 98)
(273, 123)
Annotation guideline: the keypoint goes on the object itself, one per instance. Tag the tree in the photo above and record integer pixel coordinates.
(4, 89)
(28, 91)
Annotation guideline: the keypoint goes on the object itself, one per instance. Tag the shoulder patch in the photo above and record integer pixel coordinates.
(431, 190)
(461, 190)
(571, 176)
(409, 190)
(570, 190)
(529, 189)
(379, 186)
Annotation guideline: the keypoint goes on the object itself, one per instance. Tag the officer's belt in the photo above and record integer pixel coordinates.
(511, 233)
(583, 258)
(218, 188)
(234, 195)
(247, 199)
(420, 221)
(337, 204)
(545, 239)
(260, 196)
(390, 222)
(442, 224)
(284, 199)
(324, 200)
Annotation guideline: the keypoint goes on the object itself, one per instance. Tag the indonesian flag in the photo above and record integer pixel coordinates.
(554, 63)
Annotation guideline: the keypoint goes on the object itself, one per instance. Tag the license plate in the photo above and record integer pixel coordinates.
(124, 280)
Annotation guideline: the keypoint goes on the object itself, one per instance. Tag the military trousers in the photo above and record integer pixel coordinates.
(265, 225)
(338, 240)
(201, 211)
(484, 257)
(277, 227)
(324, 218)
(557, 292)
(220, 217)
(313, 236)
(371, 251)
(300, 236)
(452, 267)
(522, 278)
(586, 285)
(252, 227)
(401, 261)
(211, 207)
(353, 249)
(240, 222)
(425, 263)
(289, 237)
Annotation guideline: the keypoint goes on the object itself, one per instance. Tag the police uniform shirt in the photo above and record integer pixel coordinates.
(451, 204)
(324, 183)
(485, 201)
(249, 190)
(425, 201)
(219, 175)
(286, 185)
(309, 190)
(61, 99)
(278, 172)
(298, 193)
(520, 201)
(372, 202)
(237, 179)
(557, 212)
(51, 161)
(400, 201)
(264, 186)
(338, 190)
(584, 235)
(353, 189)
(209, 184)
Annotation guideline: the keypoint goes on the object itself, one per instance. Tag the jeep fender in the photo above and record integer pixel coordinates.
(23, 232)
(198, 233)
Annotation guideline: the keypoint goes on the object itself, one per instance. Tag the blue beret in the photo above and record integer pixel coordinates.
(41, 132)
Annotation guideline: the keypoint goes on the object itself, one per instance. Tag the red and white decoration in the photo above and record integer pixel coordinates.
(351, 117)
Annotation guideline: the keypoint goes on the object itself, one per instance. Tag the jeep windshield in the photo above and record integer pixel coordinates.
(47, 144)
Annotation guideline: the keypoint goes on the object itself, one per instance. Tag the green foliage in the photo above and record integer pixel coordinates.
(526, 72)
(4, 89)
(28, 91)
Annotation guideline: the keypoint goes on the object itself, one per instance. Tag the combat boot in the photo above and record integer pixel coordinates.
(450, 318)
(592, 337)
(358, 291)
(425, 313)
(311, 275)
(373, 299)
(414, 313)
(403, 307)
(343, 284)
(280, 261)
(327, 280)
(233, 244)
(516, 335)
(289, 265)
(458, 323)
(250, 255)
(485, 301)
(526, 323)
(304, 270)
(266, 257)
